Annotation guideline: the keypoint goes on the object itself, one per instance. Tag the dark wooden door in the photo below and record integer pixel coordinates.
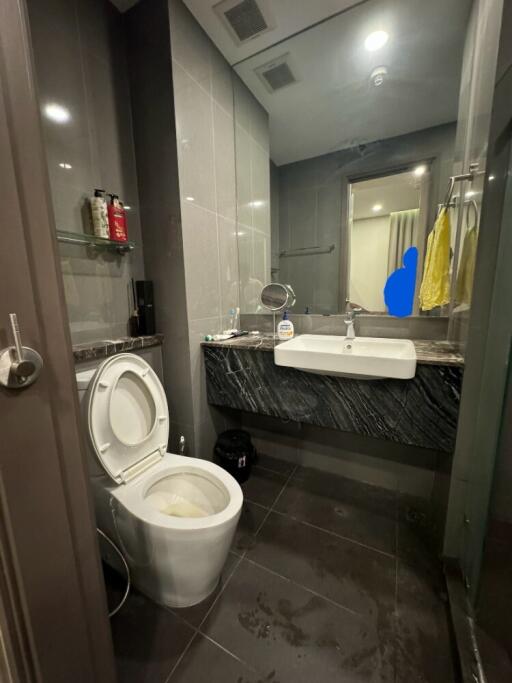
(53, 616)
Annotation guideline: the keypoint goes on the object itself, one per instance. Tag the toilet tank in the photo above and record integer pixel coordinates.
(83, 379)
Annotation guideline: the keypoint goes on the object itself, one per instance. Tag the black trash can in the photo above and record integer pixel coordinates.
(235, 453)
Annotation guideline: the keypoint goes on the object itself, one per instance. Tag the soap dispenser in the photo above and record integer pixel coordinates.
(285, 328)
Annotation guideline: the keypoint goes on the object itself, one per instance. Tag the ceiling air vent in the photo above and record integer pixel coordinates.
(276, 74)
(245, 19)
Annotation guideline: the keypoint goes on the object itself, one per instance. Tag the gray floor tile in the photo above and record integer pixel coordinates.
(358, 511)
(275, 465)
(424, 652)
(416, 543)
(148, 640)
(205, 662)
(194, 615)
(290, 635)
(263, 486)
(361, 579)
(250, 519)
(367, 616)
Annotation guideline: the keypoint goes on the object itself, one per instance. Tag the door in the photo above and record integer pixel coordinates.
(53, 616)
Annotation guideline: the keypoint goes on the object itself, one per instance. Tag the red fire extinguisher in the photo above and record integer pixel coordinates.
(117, 227)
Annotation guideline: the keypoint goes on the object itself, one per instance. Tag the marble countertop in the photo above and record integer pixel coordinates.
(428, 351)
(108, 347)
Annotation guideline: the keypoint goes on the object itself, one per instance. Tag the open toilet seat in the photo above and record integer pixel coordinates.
(128, 423)
(127, 417)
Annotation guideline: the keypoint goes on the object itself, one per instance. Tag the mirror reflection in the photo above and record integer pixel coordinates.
(345, 143)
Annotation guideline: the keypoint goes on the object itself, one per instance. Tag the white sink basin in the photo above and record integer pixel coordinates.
(362, 358)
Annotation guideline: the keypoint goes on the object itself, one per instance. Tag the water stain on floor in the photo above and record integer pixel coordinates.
(266, 621)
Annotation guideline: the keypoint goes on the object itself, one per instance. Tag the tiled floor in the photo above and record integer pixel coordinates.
(328, 580)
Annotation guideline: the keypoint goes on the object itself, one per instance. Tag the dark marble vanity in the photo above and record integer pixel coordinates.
(97, 350)
(241, 374)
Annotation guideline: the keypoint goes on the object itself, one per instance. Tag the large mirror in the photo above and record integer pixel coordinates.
(346, 137)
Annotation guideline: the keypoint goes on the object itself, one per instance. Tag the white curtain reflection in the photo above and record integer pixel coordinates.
(403, 233)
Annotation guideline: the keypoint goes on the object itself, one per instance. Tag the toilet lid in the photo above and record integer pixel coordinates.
(127, 416)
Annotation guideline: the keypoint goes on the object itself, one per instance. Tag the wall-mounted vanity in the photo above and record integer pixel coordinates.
(421, 411)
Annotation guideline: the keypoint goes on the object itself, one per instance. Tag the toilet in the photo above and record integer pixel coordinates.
(173, 517)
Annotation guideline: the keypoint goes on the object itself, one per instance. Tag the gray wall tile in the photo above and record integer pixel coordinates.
(205, 131)
(201, 250)
(195, 139)
(80, 63)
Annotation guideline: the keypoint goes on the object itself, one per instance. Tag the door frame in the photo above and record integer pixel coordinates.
(53, 612)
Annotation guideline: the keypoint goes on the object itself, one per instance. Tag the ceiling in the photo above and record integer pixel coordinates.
(334, 105)
(289, 17)
(394, 193)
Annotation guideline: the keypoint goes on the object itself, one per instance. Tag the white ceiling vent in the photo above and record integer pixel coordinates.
(276, 74)
(245, 19)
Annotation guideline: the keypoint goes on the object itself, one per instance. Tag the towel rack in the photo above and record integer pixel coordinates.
(473, 168)
(307, 251)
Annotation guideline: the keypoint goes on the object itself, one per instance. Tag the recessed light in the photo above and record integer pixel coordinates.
(65, 165)
(376, 207)
(57, 113)
(189, 199)
(491, 177)
(470, 193)
(420, 170)
(376, 40)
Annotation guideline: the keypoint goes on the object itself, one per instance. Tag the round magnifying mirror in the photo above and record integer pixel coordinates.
(276, 297)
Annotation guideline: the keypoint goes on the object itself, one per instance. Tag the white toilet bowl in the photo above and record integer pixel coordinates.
(173, 517)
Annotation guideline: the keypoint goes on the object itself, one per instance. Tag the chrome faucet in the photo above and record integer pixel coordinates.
(350, 315)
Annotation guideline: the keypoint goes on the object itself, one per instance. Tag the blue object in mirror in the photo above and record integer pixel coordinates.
(400, 286)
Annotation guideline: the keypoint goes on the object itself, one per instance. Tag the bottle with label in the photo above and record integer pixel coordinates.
(285, 328)
(117, 220)
(99, 215)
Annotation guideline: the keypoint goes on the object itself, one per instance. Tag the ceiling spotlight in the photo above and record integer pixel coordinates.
(377, 207)
(420, 170)
(65, 165)
(189, 199)
(376, 40)
(470, 193)
(378, 76)
(491, 177)
(128, 208)
(57, 113)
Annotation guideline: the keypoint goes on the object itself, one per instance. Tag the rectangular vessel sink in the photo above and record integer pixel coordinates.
(361, 358)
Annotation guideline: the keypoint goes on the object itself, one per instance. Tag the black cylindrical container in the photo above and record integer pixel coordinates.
(235, 453)
(145, 304)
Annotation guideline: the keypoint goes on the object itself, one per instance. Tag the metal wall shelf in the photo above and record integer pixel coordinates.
(94, 242)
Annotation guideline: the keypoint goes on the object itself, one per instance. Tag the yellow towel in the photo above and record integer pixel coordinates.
(466, 270)
(435, 287)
